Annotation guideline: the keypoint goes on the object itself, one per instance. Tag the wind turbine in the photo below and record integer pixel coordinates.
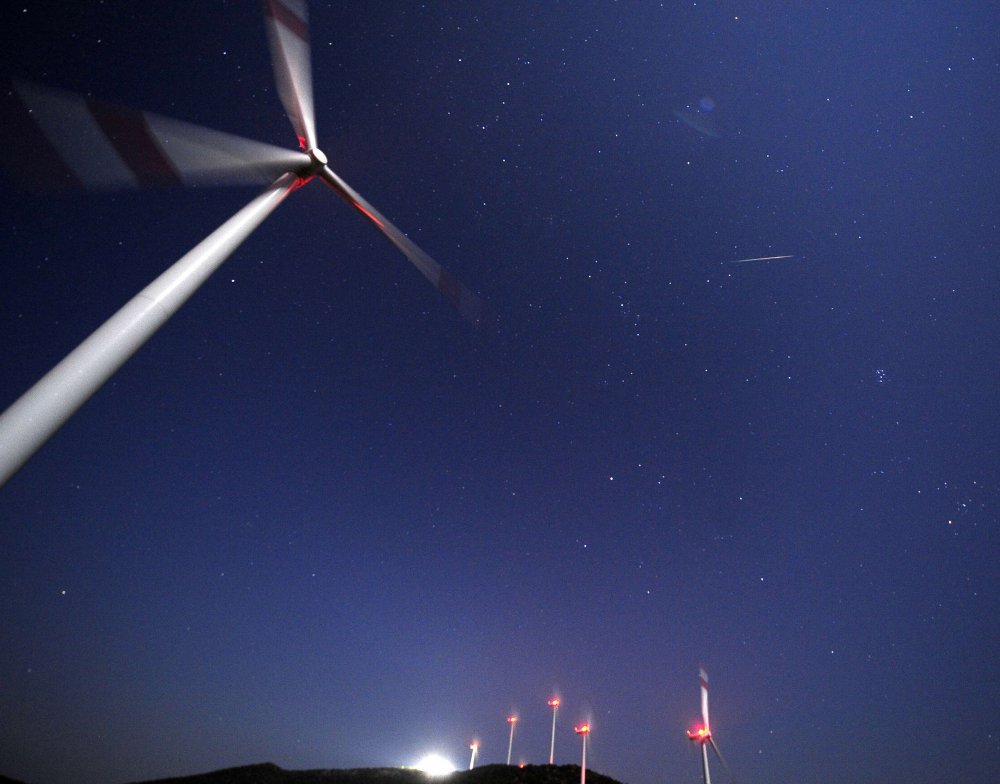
(583, 731)
(79, 142)
(554, 704)
(512, 721)
(702, 734)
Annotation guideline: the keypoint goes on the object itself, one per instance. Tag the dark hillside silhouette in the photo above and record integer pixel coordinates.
(268, 773)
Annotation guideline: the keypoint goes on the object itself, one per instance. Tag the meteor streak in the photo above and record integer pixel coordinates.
(760, 258)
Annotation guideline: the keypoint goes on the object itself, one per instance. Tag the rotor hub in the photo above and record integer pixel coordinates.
(318, 157)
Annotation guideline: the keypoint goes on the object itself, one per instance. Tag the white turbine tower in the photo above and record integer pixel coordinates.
(79, 142)
(554, 704)
(512, 721)
(583, 731)
(702, 734)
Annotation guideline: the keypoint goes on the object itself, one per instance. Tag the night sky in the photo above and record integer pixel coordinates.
(321, 520)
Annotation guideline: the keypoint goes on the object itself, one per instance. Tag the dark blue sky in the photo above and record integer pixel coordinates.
(319, 520)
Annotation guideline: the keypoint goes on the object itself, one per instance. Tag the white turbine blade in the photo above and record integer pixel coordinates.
(53, 139)
(452, 288)
(41, 411)
(204, 156)
(288, 33)
(703, 678)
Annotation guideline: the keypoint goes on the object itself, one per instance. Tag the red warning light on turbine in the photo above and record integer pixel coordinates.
(512, 719)
(583, 729)
(554, 703)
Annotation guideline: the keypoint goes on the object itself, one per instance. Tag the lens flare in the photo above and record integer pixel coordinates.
(435, 765)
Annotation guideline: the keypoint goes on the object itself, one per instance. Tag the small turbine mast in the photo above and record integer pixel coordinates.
(512, 721)
(583, 730)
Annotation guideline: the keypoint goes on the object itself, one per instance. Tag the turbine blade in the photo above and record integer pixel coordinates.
(452, 288)
(288, 34)
(34, 417)
(722, 759)
(703, 678)
(54, 140)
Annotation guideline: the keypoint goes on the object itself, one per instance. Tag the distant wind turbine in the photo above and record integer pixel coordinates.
(703, 734)
(83, 143)
(512, 721)
(584, 730)
(554, 704)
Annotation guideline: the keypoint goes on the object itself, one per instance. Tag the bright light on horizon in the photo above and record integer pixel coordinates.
(435, 765)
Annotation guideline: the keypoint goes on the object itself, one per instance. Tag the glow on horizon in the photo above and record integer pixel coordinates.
(435, 765)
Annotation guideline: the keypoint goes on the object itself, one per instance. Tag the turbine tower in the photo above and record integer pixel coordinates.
(58, 141)
(512, 721)
(554, 704)
(583, 731)
(702, 734)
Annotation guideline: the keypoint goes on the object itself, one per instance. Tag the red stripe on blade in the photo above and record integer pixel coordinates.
(128, 133)
(284, 15)
(368, 215)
